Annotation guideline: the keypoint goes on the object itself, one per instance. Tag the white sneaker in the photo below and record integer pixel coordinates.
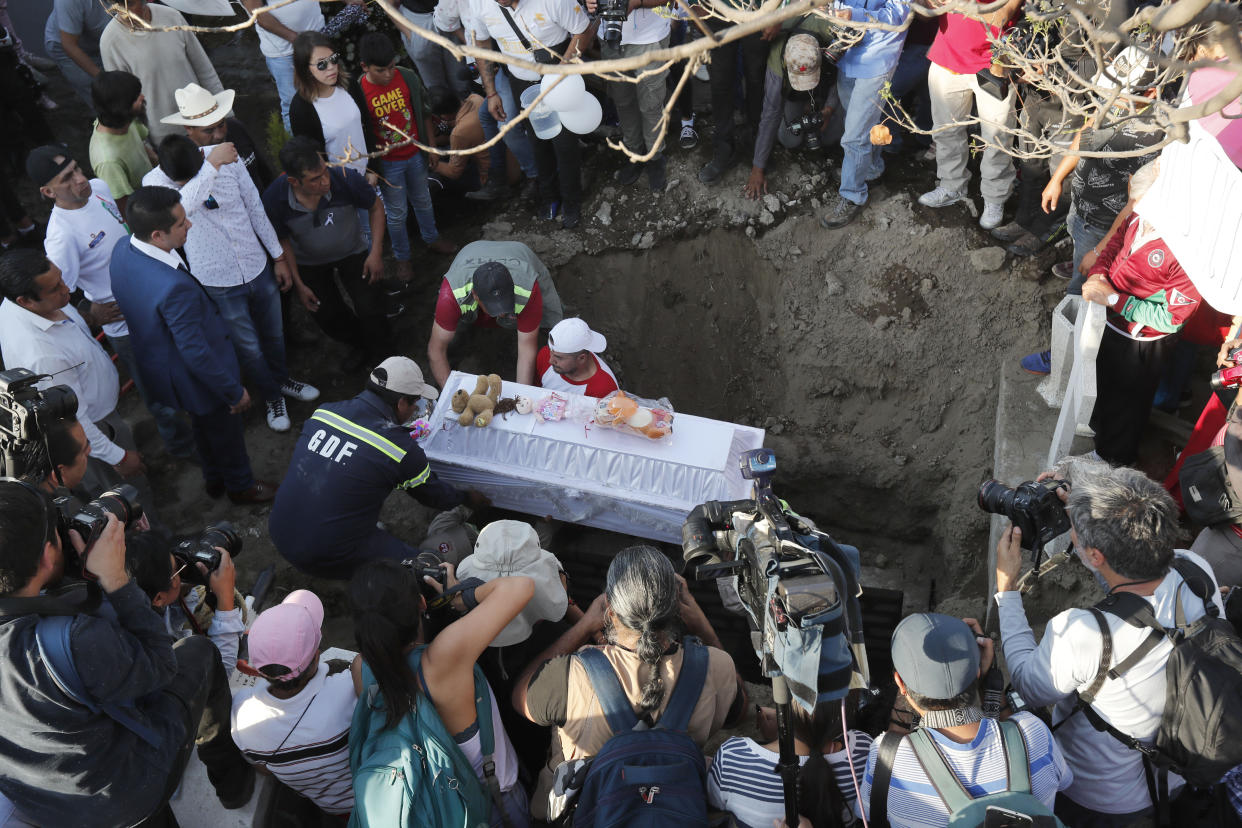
(940, 197)
(300, 391)
(277, 416)
(993, 214)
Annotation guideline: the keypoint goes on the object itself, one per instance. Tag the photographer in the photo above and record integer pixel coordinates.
(1124, 528)
(186, 607)
(69, 764)
(58, 459)
(791, 82)
(639, 105)
(642, 614)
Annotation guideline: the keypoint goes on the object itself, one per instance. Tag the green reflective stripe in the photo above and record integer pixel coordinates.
(417, 480)
(518, 290)
(463, 291)
(365, 435)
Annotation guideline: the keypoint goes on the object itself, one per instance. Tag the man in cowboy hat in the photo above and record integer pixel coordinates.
(206, 118)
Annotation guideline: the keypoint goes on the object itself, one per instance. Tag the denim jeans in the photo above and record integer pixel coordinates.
(252, 312)
(173, 430)
(1085, 237)
(282, 73)
(517, 139)
(910, 80)
(863, 160)
(436, 65)
(405, 182)
(74, 74)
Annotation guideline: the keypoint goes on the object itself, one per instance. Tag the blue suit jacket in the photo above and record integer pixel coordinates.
(181, 343)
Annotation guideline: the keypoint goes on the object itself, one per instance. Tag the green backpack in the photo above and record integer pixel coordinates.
(414, 774)
(1015, 806)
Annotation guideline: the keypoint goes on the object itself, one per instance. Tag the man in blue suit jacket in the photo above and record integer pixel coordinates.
(181, 342)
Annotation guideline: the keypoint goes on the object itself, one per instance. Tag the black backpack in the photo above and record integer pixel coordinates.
(1207, 493)
(1200, 733)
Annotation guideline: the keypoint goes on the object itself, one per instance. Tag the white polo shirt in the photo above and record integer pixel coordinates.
(66, 350)
(544, 23)
(300, 16)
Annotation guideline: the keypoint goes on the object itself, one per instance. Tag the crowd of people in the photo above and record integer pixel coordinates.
(174, 240)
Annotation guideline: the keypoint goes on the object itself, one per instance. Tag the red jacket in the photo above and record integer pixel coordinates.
(1157, 297)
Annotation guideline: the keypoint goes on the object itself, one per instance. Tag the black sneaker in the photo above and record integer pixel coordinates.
(689, 138)
(657, 174)
(717, 167)
(842, 213)
(1025, 246)
(628, 174)
(491, 191)
(571, 217)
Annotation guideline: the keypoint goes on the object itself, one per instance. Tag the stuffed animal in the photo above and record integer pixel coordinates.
(476, 408)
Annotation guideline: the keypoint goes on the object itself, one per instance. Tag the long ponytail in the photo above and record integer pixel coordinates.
(384, 596)
(819, 799)
(642, 592)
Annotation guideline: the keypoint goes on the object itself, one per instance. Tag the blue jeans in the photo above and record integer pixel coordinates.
(173, 430)
(282, 72)
(252, 312)
(403, 182)
(1085, 237)
(863, 160)
(517, 139)
(909, 77)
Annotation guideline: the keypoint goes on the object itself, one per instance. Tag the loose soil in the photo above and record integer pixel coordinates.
(870, 354)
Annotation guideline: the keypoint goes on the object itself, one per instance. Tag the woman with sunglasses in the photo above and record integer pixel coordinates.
(327, 105)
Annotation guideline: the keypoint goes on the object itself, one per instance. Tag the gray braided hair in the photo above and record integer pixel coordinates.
(642, 593)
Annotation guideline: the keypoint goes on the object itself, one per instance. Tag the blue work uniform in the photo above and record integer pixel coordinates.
(349, 457)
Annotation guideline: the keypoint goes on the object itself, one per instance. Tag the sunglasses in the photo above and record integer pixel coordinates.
(331, 60)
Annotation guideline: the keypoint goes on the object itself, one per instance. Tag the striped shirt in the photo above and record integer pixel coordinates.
(744, 781)
(303, 741)
(979, 764)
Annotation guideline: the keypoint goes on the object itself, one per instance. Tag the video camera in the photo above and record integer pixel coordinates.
(798, 588)
(24, 410)
(203, 550)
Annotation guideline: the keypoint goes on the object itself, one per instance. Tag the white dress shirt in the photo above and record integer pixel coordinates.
(226, 244)
(169, 257)
(80, 243)
(65, 349)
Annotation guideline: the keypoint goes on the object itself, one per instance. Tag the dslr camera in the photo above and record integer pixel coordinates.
(203, 550)
(612, 15)
(1033, 507)
(1229, 377)
(807, 127)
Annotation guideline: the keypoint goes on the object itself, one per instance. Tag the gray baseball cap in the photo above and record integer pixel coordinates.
(936, 655)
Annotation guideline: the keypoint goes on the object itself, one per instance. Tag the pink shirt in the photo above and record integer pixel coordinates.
(961, 44)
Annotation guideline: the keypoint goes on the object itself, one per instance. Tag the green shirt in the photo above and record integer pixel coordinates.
(120, 160)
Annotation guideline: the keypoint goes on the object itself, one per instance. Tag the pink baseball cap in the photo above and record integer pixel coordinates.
(284, 641)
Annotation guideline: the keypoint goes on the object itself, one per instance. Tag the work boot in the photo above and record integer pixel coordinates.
(494, 189)
(1025, 246)
(571, 217)
(1008, 232)
(657, 174)
(842, 213)
(720, 164)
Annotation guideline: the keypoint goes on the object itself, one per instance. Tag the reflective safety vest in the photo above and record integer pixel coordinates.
(470, 305)
(525, 268)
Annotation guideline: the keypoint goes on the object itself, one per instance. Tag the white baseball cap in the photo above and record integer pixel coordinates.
(569, 336)
(402, 374)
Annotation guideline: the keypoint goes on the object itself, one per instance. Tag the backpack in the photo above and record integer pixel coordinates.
(414, 774)
(1200, 732)
(964, 811)
(52, 636)
(1207, 493)
(650, 776)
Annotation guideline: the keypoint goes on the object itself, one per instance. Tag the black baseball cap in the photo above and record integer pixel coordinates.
(42, 166)
(493, 284)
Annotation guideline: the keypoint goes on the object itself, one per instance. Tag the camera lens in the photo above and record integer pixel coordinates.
(996, 498)
(121, 502)
(224, 536)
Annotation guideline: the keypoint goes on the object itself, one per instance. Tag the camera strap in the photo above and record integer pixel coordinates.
(534, 53)
(73, 599)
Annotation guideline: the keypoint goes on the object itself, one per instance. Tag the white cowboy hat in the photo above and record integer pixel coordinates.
(198, 107)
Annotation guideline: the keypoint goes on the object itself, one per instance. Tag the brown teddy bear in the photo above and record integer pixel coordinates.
(476, 408)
